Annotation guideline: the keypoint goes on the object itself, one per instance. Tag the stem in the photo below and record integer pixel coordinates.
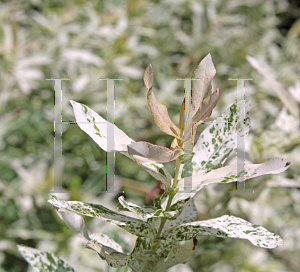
(171, 196)
(176, 173)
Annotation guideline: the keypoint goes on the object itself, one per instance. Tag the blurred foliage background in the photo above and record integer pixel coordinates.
(88, 40)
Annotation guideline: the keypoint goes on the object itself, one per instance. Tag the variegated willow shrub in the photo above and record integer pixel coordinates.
(171, 219)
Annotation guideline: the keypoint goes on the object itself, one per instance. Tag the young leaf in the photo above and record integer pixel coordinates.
(205, 111)
(161, 117)
(86, 118)
(145, 213)
(218, 140)
(132, 225)
(205, 71)
(225, 227)
(44, 261)
(148, 77)
(74, 222)
(145, 152)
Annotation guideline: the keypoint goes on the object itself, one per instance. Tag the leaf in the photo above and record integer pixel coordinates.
(277, 86)
(218, 140)
(228, 174)
(132, 225)
(145, 152)
(205, 71)
(74, 221)
(179, 254)
(205, 111)
(112, 257)
(161, 117)
(85, 118)
(225, 227)
(43, 261)
(106, 241)
(189, 213)
(148, 77)
(145, 213)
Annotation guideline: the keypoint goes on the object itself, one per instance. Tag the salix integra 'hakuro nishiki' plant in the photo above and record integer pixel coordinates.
(171, 219)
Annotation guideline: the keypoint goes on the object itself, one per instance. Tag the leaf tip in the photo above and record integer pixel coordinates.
(148, 77)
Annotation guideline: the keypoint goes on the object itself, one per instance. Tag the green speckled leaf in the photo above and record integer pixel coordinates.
(106, 241)
(188, 213)
(179, 254)
(145, 212)
(218, 140)
(132, 225)
(227, 174)
(225, 227)
(85, 118)
(112, 257)
(43, 261)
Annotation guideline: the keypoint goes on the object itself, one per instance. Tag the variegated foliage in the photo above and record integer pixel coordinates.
(173, 217)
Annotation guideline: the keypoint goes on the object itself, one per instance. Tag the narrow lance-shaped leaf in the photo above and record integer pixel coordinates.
(88, 120)
(205, 71)
(161, 117)
(145, 152)
(225, 227)
(132, 225)
(277, 86)
(43, 260)
(148, 77)
(228, 174)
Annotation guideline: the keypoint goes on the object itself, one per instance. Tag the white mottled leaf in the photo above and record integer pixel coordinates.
(189, 214)
(88, 120)
(228, 174)
(145, 212)
(205, 71)
(132, 225)
(218, 140)
(278, 87)
(43, 261)
(106, 241)
(225, 227)
(74, 221)
(146, 152)
(179, 254)
(112, 256)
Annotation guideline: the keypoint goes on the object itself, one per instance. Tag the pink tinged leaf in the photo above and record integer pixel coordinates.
(161, 117)
(145, 152)
(205, 110)
(205, 71)
(148, 77)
